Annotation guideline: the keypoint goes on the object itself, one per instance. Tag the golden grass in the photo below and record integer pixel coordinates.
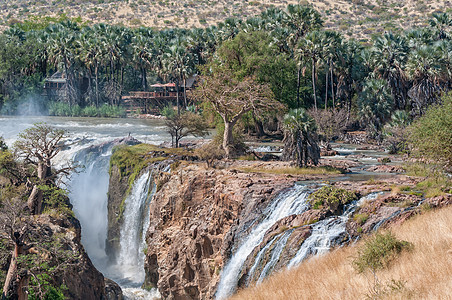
(293, 171)
(426, 271)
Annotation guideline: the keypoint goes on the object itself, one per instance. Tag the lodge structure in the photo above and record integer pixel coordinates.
(54, 85)
(158, 96)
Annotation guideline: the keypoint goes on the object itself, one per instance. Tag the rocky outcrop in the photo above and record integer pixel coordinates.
(195, 220)
(77, 273)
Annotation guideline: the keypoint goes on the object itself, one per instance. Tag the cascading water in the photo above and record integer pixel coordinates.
(328, 233)
(131, 242)
(131, 255)
(88, 194)
(291, 202)
(325, 234)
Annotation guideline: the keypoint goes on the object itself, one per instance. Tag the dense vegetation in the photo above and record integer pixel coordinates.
(309, 66)
(32, 258)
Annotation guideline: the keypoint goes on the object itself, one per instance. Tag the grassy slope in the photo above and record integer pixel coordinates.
(357, 18)
(426, 271)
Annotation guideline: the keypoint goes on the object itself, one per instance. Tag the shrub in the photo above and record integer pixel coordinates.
(378, 252)
(331, 197)
(89, 111)
(431, 135)
(210, 153)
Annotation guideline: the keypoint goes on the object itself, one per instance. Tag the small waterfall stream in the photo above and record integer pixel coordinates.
(325, 234)
(294, 201)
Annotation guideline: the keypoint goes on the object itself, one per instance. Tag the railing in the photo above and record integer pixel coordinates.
(146, 95)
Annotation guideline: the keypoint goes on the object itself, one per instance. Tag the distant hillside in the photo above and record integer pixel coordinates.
(358, 18)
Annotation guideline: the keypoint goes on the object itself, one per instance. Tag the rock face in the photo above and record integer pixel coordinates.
(194, 218)
(82, 279)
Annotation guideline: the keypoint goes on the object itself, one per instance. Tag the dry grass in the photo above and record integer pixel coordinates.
(426, 271)
(292, 171)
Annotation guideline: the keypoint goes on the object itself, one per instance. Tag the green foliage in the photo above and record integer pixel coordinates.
(55, 198)
(431, 135)
(168, 111)
(300, 140)
(65, 110)
(331, 198)
(360, 218)
(374, 104)
(379, 251)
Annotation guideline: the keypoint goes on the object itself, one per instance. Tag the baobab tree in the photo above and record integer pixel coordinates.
(231, 98)
(38, 146)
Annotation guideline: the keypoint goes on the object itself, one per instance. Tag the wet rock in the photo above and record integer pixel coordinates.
(112, 290)
(386, 169)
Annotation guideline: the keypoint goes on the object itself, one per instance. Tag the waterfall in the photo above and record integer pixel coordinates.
(328, 233)
(294, 201)
(88, 194)
(131, 256)
(276, 253)
(132, 239)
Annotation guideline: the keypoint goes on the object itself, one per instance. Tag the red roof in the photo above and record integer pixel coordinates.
(164, 85)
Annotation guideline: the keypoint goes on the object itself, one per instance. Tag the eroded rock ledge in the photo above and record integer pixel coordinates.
(193, 220)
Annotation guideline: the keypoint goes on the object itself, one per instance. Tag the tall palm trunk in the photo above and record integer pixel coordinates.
(298, 86)
(332, 84)
(313, 82)
(96, 70)
(177, 97)
(326, 86)
(185, 92)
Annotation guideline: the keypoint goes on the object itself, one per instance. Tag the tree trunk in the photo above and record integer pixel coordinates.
(313, 83)
(228, 139)
(34, 201)
(97, 85)
(326, 88)
(177, 97)
(298, 86)
(258, 126)
(12, 270)
(185, 92)
(332, 84)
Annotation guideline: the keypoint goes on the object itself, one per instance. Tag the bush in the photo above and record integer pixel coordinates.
(89, 111)
(65, 110)
(378, 252)
(210, 153)
(331, 198)
(431, 135)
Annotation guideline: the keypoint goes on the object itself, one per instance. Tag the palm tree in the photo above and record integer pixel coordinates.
(300, 139)
(177, 63)
(442, 24)
(374, 104)
(332, 40)
(426, 69)
(302, 19)
(389, 55)
(311, 48)
(350, 70)
(62, 51)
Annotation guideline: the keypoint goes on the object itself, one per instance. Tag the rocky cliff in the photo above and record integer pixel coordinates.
(200, 216)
